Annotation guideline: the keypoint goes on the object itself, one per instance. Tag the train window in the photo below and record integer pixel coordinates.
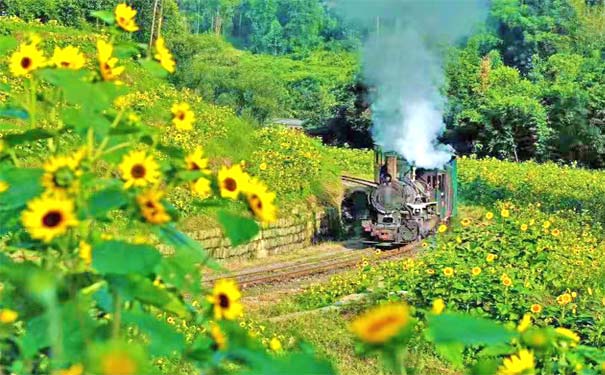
(441, 185)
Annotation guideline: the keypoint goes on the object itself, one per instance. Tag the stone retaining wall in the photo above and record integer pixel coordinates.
(285, 235)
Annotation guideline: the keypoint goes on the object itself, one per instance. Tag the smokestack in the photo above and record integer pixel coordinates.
(402, 59)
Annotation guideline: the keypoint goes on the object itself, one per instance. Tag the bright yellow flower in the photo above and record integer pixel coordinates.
(182, 116)
(507, 281)
(524, 227)
(520, 364)
(139, 169)
(232, 181)
(76, 369)
(118, 361)
(48, 217)
(69, 57)
(219, 338)
(61, 174)
(260, 201)
(489, 215)
(546, 224)
(85, 252)
(442, 228)
(491, 257)
(275, 345)
(476, 271)
(448, 271)
(536, 308)
(226, 300)
(26, 59)
(564, 299)
(8, 316)
(505, 213)
(524, 323)
(107, 63)
(202, 188)
(555, 232)
(438, 306)
(465, 222)
(151, 207)
(569, 335)
(196, 161)
(164, 56)
(3, 187)
(125, 17)
(262, 166)
(382, 323)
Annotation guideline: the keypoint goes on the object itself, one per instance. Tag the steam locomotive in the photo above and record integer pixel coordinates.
(403, 203)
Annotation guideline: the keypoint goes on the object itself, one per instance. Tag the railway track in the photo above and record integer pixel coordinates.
(307, 267)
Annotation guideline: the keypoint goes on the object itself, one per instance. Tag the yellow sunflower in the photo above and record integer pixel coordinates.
(139, 169)
(489, 215)
(182, 116)
(465, 222)
(232, 181)
(164, 56)
(442, 228)
(260, 201)
(505, 213)
(107, 63)
(61, 174)
(536, 308)
(507, 281)
(568, 335)
(524, 227)
(275, 345)
(476, 271)
(85, 252)
(125, 17)
(521, 364)
(262, 166)
(69, 57)
(448, 271)
(525, 323)
(555, 232)
(152, 209)
(382, 323)
(226, 300)
(546, 224)
(218, 337)
(438, 306)
(202, 188)
(26, 59)
(48, 217)
(196, 161)
(491, 257)
(8, 316)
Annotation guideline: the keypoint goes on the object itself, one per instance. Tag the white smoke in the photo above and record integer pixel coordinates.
(402, 62)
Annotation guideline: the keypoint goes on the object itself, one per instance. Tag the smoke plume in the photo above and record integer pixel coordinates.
(402, 62)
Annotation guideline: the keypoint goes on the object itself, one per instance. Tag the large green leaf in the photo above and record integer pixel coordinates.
(106, 16)
(24, 184)
(7, 43)
(123, 258)
(467, 330)
(154, 68)
(101, 202)
(238, 229)
(27, 136)
(12, 112)
(163, 339)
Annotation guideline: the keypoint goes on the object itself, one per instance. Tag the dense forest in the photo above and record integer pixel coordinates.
(529, 84)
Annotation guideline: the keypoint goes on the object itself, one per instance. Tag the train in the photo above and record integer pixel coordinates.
(402, 204)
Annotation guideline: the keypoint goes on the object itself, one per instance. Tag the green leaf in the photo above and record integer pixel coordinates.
(163, 339)
(154, 68)
(238, 229)
(24, 184)
(9, 112)
(123, 258)
(452, 352)
(83, 118)
(106, 16)
(467, 330)
(101, 202)
(7, 43)
(27, 136)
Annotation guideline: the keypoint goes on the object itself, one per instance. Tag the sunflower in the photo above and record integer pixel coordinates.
(521, 364)
(218, 337)
(8, 316)
(232, 181)
(76, 369)
(564, 299)
(262, 166)
(69, 57)
(196, 161)
(225, 298)
(438, 306)
(442, 228)
(182, 116)
(524, 227)
(524, 324)
(465, 222)
(489, 215)
(201, 188)
(476, 271)
(152, 208)
(491, 257)
(381, 324)
(61, 174)
(107, 63)
(275, 345)
(536, 308)
(260, 201)
(555, 232)
(448, 271)
(125, 17)
(164, 56)
(430, 271)
(139, 169)
(85, 252)
(505, 213)
(26, 59)
(48, 217)
(507, 281)
(546, 224)
(568, 335)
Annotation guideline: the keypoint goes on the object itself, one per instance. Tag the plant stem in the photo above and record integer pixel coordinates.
(32, 101)
(117, 315)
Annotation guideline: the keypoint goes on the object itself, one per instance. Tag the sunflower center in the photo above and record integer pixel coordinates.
(138, 171)
(181, 115)
(223, 301)
(65, 64)
(52, 219)
(63, 177)
(230, 184)
(195, 167)
(381, 324)
(257, 202)
(26, 62)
